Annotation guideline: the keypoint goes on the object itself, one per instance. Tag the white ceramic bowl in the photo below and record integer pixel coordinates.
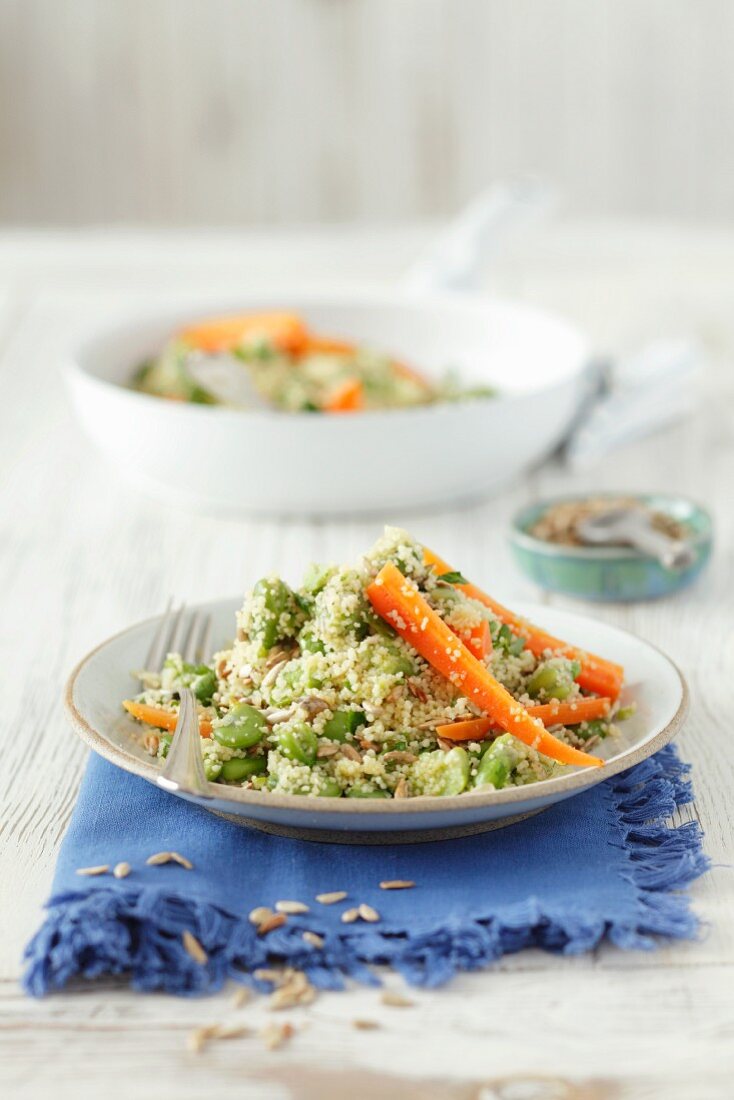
(305, 464)
(102, 679)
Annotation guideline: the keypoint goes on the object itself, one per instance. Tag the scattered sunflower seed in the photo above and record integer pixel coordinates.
(349, 916)
(230, 1031)
(396, 884)
(101, 870)
(401, 791)
(121, 870)
(241, 997)
(158, 858)
(269, 974)
(291, 907)
(197, 1040)
(350, 752)
(400, 757)
(445, 745)
(194, 948)
(314, 939)
(367, 913)
(257, 916)
(330, 899)
(365, 1025)
(327, 750)
(296, 990)
(396, 1000)
(181, 860)
(271, 923)
(151, 744)
(274, 1035)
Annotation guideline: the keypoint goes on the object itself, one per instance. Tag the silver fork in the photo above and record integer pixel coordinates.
(189, 635)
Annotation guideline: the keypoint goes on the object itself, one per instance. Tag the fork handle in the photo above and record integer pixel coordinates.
(184, 768)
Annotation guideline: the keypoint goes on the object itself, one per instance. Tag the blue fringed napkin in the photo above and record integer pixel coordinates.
(602, 864)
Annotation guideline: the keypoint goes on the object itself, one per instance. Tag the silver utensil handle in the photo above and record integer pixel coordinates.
(673, 554)
(184, 768)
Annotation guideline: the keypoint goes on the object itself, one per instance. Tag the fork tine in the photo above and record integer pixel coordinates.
(155, 654)
(205, 641)
(175, 645)
(190, 647)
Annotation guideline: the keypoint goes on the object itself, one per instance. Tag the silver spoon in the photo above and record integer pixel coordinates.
(226, 378)
(633, 527)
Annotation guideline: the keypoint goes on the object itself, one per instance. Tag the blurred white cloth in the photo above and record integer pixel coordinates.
(634, 396)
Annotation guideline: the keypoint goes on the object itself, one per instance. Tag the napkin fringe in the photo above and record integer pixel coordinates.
(138, 932)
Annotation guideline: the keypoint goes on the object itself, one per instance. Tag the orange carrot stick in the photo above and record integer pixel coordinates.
(478, 639)
(550, 714)
(399, 603)
(161, 719)
(326, 345)
(597, 674)
(286, 330)
(349, 397)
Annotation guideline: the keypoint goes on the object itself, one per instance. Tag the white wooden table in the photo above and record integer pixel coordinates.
(81, 555)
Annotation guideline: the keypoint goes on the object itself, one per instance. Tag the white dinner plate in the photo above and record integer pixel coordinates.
(239, 460)
(103, 679)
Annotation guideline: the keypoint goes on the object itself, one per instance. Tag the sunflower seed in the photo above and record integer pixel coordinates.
(159, 858)
(194, 948)
(396, 1000)
(396, 884)
(267, 974)
(367, 913)
(444, 744)
(181, 860)
(291, 907)
(330, 899)
(272, 674)
(296, 991)
(350, 752)
(241, 997)
(258, 915)
(399, 757)
(327, 750)
(417, 691)
(271, 923)
(151, 743)
(274, 1035)
(401, 791)
(197, 1040)
(313, 939)
(121, 870)
(101, 870)
(349, 916)
(230, 1031)
(365, 1025)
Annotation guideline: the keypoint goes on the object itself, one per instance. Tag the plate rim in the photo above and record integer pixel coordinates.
(421, 804)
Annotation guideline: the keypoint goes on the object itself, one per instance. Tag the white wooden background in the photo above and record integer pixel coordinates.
(81, 556)
(244, 111)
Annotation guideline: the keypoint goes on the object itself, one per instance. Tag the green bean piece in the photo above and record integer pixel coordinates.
(343, 723)
(293, 680)
(212, 768)
(164, 744)
(378, 625)
(242, 727)
(275, 617)
(309, 643)
(396, 662)
(327, 788)
(597, 727)
(550, 682)
(367, 792)
(242, 767)
(316, 577)
(299, 743)
(497, 763)
(204, 685)
(447, 773)
(625, 712)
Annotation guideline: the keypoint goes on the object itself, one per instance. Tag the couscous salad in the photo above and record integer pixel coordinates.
(273, 358)
(391, 678)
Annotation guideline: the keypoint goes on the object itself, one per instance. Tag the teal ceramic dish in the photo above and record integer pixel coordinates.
(615, 573)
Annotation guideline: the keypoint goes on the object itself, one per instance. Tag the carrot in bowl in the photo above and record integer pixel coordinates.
(348, 397)
(551, 714)
(161, 719)
(397, 600)
(286, 331)
(597, 674)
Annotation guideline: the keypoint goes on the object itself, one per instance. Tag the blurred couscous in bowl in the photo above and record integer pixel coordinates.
(416, 442)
